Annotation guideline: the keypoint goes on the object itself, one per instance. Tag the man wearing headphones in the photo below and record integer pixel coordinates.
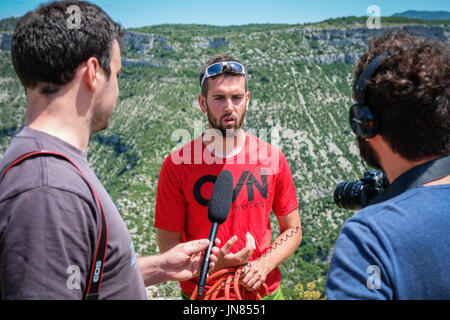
(399, 246)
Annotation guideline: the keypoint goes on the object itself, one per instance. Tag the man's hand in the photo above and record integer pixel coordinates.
(254, 274)
(226, 258)
(184, 261)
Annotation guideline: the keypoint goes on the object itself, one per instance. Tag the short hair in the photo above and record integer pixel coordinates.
(227, 73)
(410, 93)
(45, 50)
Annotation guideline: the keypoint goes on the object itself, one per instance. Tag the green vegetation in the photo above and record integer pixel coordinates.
(177, 31)
(8, 24)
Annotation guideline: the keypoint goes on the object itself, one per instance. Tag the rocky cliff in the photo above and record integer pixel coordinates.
(300, 83)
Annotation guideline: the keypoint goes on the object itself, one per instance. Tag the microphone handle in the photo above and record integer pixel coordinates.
(205, 265)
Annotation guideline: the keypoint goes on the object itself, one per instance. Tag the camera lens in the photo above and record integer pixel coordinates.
(348, 195)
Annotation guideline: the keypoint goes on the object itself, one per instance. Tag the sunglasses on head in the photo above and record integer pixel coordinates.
(220, 67)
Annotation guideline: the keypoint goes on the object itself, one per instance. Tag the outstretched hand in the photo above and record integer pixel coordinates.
(184, 261)
(226, 258)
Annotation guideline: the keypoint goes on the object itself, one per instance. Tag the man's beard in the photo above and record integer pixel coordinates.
(368, 154)
(99, 120)
(217, 123)
(101, 111)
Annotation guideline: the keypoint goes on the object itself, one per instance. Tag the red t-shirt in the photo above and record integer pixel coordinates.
(262, 180)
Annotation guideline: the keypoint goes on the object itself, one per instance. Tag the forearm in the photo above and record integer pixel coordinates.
(255, 272)
(282, 248)
(152, 269)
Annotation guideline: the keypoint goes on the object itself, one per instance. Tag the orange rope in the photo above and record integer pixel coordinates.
(230, 278)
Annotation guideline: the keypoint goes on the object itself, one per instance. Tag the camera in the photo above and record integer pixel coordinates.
(357, 195)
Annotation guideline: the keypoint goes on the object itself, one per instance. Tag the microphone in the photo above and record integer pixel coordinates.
(219, 207)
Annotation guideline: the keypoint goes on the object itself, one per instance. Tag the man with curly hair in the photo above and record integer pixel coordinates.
(399, 247)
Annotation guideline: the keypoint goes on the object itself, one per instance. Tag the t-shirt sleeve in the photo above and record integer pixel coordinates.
(360, 266)
(170, 211)
(47, 245)
(285, 198)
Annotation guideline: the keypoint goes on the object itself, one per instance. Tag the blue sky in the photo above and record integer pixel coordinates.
(135, 13)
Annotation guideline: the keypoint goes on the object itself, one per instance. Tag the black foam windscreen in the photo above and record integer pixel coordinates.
(221, 198)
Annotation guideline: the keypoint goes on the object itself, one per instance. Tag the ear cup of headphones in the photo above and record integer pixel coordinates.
(364, 121)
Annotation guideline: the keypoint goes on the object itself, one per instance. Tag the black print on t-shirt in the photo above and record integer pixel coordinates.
(247, 178)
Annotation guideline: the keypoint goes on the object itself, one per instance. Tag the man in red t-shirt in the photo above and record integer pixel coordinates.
(262, 179)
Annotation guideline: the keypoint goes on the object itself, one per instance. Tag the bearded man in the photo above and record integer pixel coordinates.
(262, 183)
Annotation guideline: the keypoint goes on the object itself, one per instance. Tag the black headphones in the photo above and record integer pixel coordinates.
(363, 120)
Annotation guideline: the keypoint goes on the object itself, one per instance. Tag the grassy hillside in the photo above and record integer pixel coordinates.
(300, 80)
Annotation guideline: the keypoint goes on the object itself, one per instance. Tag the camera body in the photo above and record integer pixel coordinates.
(357, 195)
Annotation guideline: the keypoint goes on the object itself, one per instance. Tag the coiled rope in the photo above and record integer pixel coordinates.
(228, 279)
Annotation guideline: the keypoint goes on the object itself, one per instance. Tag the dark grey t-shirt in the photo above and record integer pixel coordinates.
(49, 225)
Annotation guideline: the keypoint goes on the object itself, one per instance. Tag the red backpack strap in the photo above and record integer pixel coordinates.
(95, 275)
